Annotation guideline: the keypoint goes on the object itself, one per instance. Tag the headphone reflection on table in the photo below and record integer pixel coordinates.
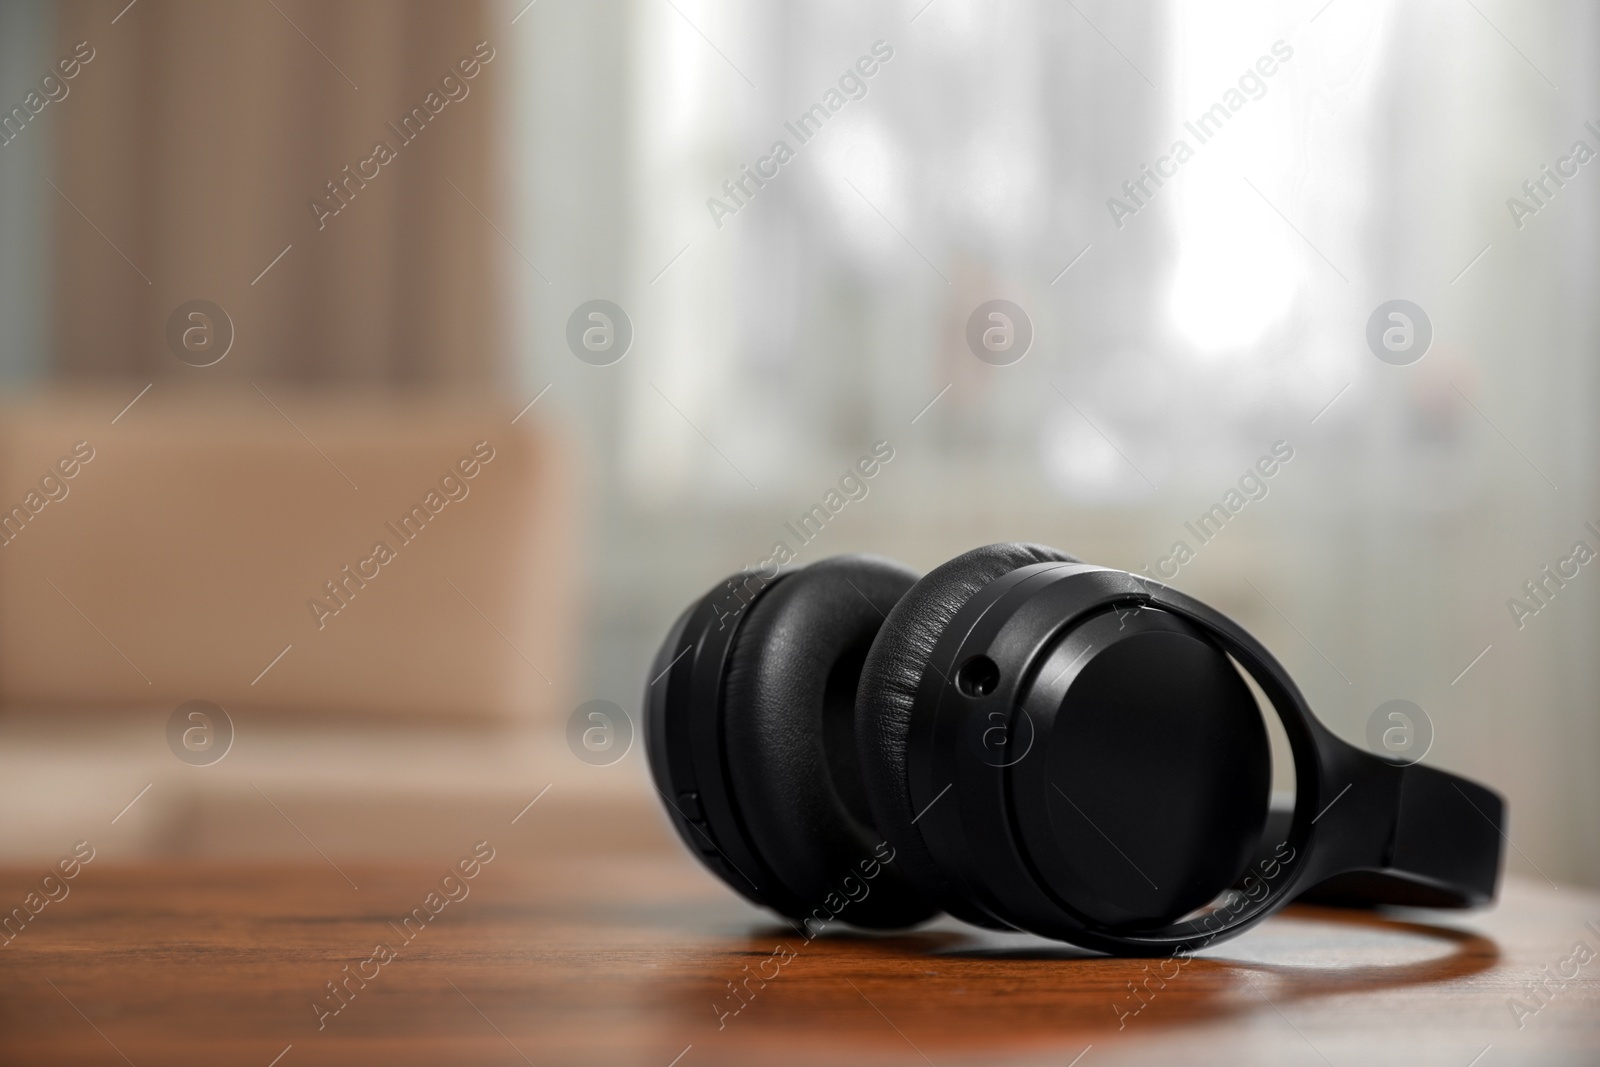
(1028, 742)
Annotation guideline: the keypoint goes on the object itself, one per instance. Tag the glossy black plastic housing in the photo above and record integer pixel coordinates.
(1141, 777)
(1366, 828)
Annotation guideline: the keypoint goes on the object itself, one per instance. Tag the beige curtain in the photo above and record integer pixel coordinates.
(188, 153)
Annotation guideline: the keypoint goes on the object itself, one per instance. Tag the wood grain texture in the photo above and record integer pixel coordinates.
(566, 957)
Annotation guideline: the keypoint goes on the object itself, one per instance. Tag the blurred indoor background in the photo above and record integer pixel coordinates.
(778, 332)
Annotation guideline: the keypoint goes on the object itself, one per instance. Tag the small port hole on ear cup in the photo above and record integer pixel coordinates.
(978, 677)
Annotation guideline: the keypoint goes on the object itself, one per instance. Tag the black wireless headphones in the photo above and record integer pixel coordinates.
(1027, 741)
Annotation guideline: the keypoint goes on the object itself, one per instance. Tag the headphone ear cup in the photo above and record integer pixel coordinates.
(885, 702)
(788, 705)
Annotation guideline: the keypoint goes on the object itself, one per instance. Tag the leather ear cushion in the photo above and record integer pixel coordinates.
(788, 709)
(888, 688)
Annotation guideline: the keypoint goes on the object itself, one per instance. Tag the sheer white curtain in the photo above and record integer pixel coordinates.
(1171, 352)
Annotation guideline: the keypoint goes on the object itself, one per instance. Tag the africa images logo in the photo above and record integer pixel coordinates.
(1205, 126)
(852, 85)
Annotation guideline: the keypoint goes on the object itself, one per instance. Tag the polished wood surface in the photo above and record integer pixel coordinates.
(561, 955)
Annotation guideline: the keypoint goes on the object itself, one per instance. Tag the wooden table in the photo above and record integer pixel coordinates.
(565, 957)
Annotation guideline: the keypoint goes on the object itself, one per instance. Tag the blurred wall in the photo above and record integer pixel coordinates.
(776, 340)
(26, 30)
